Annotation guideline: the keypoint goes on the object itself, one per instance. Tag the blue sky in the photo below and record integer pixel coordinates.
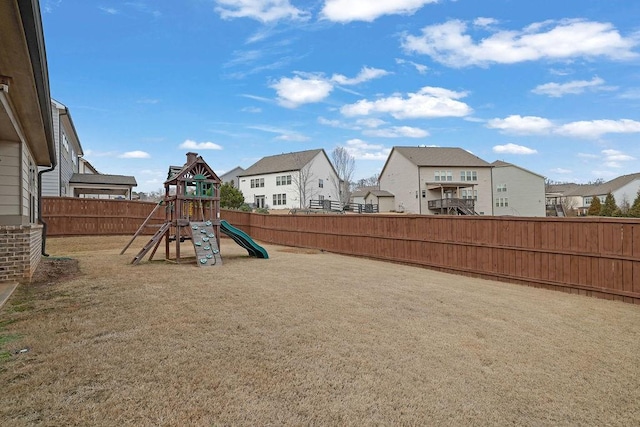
(552, 86)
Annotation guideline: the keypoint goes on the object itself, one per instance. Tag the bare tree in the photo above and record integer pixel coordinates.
(304, 182)
(344, 164)
(372, 181)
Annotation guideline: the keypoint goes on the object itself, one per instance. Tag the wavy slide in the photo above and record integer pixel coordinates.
(243, 239)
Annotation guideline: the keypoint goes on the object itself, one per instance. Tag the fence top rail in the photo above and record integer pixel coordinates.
(578, 220)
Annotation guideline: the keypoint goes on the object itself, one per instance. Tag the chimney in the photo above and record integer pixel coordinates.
(191, 157)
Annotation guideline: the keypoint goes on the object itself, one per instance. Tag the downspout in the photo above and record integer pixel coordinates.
(40, 220)
(419, 193)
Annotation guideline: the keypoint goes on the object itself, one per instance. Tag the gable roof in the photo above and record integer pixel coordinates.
(102, 179)
(440, 156)
(194, 165)
(288, 162)
(503, 164)
(362, 192)
(379, 193)
(613, 185)
(233, 172)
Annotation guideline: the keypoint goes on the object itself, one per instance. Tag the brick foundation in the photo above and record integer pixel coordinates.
(20, 251)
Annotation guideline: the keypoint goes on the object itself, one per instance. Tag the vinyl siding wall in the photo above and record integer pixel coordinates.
(400, 178)
(525, 192)
(51, 180)
(10, 192)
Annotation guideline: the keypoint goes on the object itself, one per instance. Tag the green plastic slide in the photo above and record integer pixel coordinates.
(243, 239)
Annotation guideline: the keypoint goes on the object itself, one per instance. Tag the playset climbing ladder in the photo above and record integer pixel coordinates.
(153, 243)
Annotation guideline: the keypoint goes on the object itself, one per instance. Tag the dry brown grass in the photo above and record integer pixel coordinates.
(308, 338)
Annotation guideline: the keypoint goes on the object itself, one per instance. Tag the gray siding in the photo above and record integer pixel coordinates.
(51, 180)
(525, 192)
(10, 191)
(400, 178)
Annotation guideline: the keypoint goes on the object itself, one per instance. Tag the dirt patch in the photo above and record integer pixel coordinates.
(53, 270)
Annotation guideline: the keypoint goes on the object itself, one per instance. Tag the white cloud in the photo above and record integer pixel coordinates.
(306, 88)
(562, 171)
(519, 125)
(631, 93)
(450, 44)
(293, 92)
(397, 132)
(253, 110)
(421, 68)
(369, 10)
(193, 145)
(261, 10)
(426, 103)
(590, 129)
(109, 10)
(364, 75)
(50, 5)
(293, 137)
(135, 155)
(615, 157)
(588, 156)
(371, 122)
(556, 90)
(362, 150)
(485, 22)
(594, 129)
(148, 101)
(513, 149)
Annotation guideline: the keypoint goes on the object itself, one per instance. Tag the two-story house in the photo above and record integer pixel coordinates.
(290, 180)
(437, 180)
(73, 176)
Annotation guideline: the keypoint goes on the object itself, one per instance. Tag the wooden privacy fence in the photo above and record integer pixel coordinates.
(590, 256)
(66, 216)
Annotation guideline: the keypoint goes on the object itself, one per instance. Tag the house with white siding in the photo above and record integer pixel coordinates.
(517, 191)
(438, 180)
(290, 180)
(26, 137)
(624, 189)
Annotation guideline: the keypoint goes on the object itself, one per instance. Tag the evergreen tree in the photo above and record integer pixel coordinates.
(595, 207)
(635, 207)
(230, 197)
(609, 207)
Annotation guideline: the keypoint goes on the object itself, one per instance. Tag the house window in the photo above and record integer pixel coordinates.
(443, 176)
(321, 197)
(321, 183)
(283, 180)
(65, 142)
(501, 188)
(468, 175)
(279, 199)
(502, 202)
(257, 183)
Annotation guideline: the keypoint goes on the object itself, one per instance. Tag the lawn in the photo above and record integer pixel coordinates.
(305, 338)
